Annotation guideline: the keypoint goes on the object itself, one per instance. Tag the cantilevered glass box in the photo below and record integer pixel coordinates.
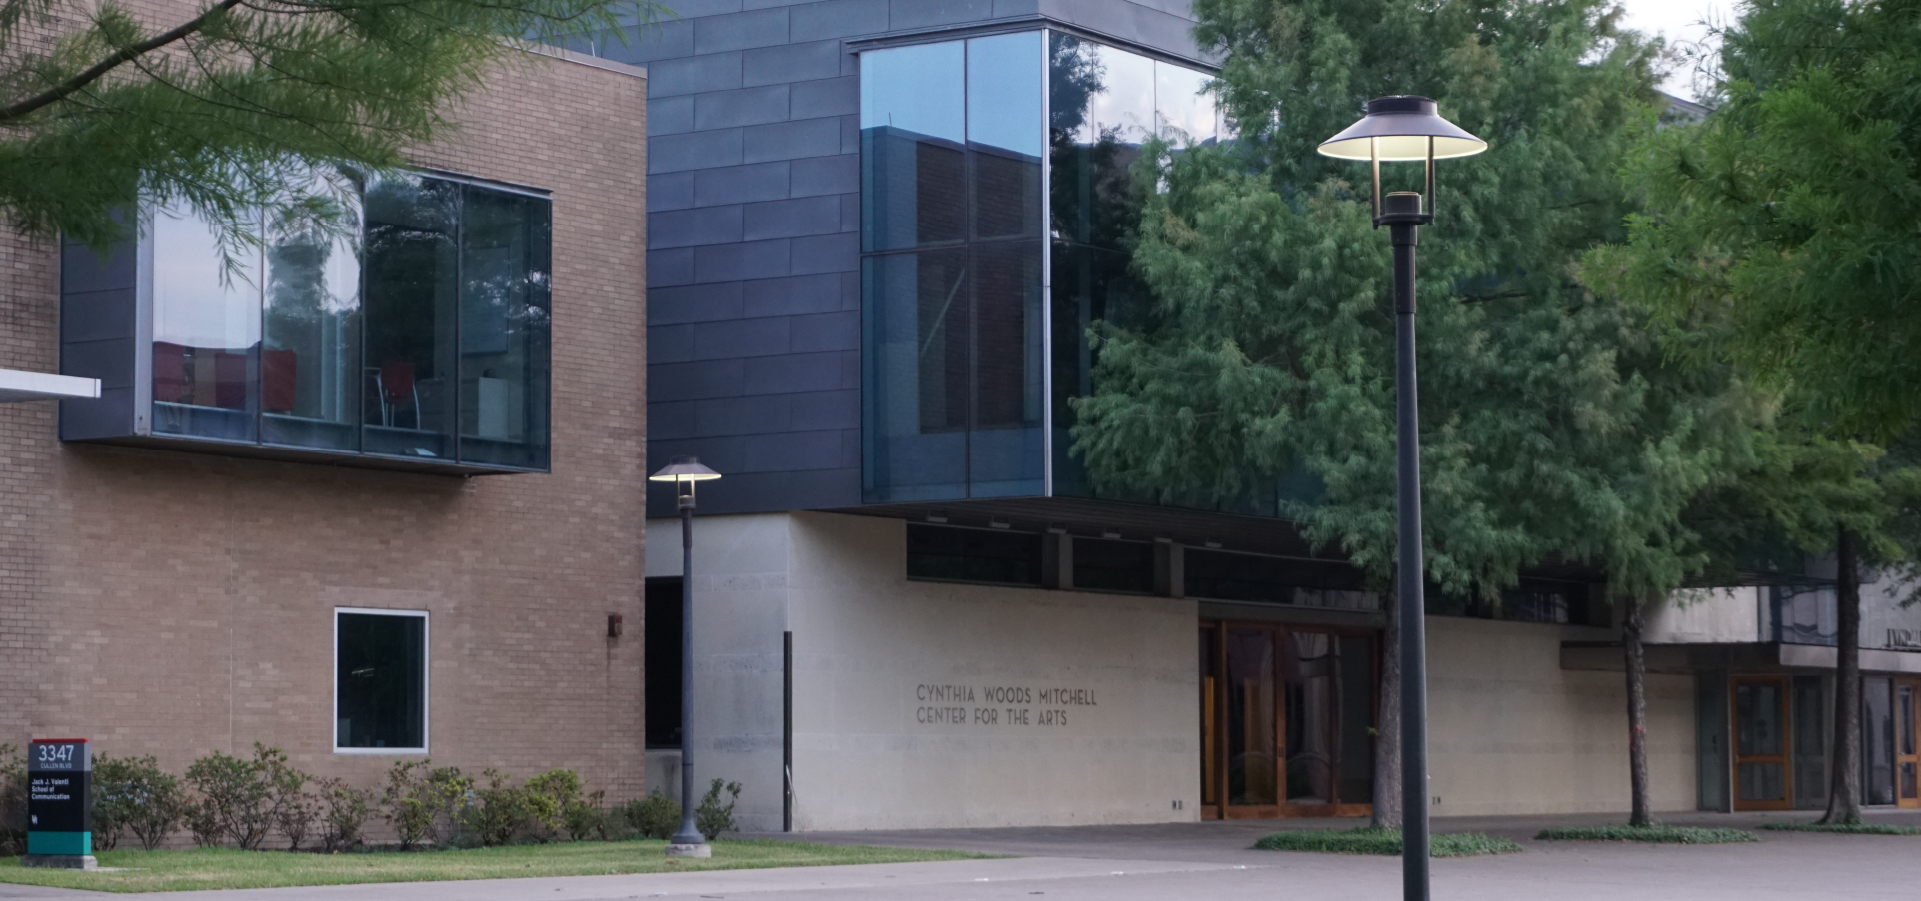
(420, 339)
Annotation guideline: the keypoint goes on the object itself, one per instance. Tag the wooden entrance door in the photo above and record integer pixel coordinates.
(1287, 720)
(1762, 777)
(1907, 742)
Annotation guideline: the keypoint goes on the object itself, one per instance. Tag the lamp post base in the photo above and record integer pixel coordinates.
(700, 850)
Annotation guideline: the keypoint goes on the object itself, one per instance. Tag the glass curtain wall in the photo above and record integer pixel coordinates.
(1103, 105)
(951, 271)
(423, 332)
(963, 144)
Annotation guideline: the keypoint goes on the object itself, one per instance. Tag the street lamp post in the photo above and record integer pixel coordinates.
(1407, 129)
(685, 472)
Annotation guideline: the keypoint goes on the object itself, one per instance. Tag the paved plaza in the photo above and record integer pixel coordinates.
(1212, 861)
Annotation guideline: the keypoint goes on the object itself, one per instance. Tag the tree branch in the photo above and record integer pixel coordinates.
(100, 69)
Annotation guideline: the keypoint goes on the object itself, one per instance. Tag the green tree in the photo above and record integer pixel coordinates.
(1788, 215)
(1779, 234)
(1550, 421)
(227, 108)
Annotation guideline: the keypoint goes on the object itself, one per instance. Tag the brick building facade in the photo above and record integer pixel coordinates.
(181, 601)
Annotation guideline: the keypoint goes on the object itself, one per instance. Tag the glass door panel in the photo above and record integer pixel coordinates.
(1309, 664)
(1250, 708)
(1761, 744)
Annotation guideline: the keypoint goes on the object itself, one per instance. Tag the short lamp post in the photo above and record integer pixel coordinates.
(685, 473)
(1407, 129)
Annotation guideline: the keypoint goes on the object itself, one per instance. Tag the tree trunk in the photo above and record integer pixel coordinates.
(1844, 789)
(1638, 814)
(1387, 735)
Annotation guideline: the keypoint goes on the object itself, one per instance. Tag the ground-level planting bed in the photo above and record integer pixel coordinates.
(1846, 828)
(1369, 840)
(1656, 832)
(220, 868)
(1659, 833)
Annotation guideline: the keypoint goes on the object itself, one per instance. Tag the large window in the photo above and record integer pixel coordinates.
(955, 554)
(957, 142)
(380, 680)
(427, 337)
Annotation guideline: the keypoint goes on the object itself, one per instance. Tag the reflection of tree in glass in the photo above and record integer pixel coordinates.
(1074, 77)
(409, 240)
(1092, 195)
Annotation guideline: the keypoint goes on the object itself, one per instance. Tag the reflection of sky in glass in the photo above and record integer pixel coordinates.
(1181, 104)
(190, 304)
(1124, 108)
(918, 89)
(1004, 92)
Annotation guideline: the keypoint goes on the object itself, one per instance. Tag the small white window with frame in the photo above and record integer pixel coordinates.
(380, 681)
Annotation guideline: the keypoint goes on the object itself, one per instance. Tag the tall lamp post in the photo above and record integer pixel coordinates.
(1407, 129)
(685, 473)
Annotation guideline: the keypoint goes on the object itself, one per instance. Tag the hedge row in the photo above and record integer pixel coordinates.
(244, 802)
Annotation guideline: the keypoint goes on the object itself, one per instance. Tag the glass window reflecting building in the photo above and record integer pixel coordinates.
(423, 333)
(975, 321)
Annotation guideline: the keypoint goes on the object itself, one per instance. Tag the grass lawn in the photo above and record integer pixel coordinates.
(1664, 834)
(1368, 840)
(217, 868)
(1846, 828)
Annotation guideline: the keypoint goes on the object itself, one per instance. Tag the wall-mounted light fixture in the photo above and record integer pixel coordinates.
(937, 516)
(1000, 523)
(613, 625)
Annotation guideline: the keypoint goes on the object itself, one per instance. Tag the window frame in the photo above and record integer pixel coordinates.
(426, 681)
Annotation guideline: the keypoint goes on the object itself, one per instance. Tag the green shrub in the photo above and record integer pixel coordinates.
(1657, 832)
(587, 818)
(13, 802)
(237, 797)
(550, 796)
(1845, 828)
(1369, 840)
(655, 816)
(419, 798)
(343, 812)
(712, 817)
(293, 809)
(501, 810)
(134, 794)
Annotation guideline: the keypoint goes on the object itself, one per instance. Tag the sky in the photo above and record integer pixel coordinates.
(1679, 21)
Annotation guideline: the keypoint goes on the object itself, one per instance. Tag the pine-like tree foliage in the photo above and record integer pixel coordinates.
(1550, 425)
(228, 105)
(1789, 217)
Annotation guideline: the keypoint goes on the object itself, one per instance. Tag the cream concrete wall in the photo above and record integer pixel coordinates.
(1511, 732)
(740, 609)
(870, 646)
(1121, 747)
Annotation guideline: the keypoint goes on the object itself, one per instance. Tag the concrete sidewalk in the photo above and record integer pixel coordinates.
(1213, 861)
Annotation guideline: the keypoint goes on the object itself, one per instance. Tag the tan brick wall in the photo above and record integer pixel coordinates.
(177, 603)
